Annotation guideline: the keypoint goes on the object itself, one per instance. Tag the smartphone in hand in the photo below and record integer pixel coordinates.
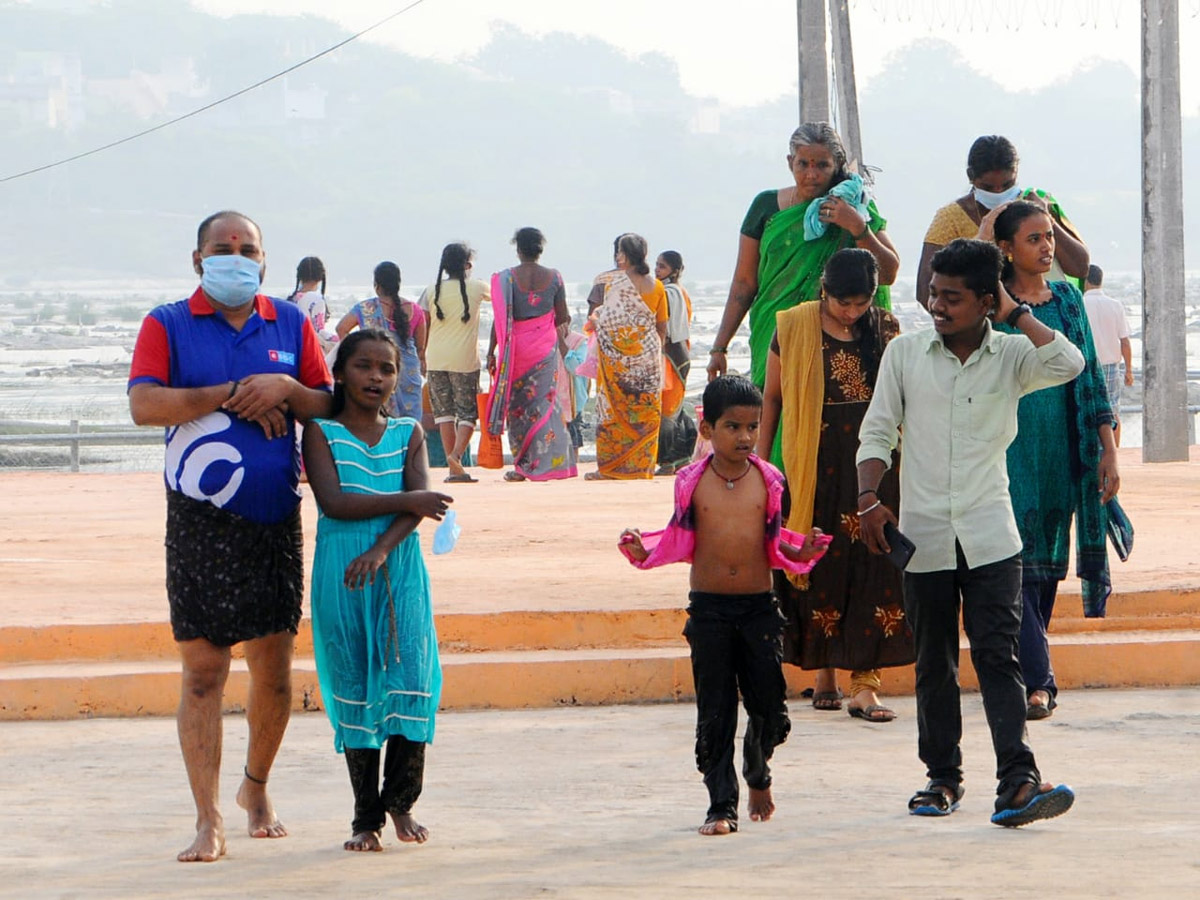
(902, 549)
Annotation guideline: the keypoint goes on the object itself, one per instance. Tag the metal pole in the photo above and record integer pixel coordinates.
(74, 446)
(1164, 347)
(847, 89)
(814, 64)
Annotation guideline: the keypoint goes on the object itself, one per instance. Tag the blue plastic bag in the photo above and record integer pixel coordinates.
(447, 533)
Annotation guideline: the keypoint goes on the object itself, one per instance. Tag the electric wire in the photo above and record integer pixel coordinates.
(208, 106)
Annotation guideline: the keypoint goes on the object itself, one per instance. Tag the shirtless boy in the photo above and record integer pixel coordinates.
(727, 524)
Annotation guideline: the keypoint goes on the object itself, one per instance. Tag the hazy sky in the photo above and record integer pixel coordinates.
(745, 52)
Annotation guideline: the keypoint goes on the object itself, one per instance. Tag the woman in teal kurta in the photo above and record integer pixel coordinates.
(1062, 465)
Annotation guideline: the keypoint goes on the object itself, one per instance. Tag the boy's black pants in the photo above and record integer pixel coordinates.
(737, 644)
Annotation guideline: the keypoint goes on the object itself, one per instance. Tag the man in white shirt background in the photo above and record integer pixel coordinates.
(1110, 333)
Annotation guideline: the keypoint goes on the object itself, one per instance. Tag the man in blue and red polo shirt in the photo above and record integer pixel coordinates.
(228, 371)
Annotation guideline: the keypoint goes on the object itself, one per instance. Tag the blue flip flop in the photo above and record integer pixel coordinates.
(1043, 805)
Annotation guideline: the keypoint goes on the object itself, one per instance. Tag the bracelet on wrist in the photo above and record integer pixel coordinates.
(721, 350)
(874, 506)
(862, 234)
(233, 390)
(862, 494)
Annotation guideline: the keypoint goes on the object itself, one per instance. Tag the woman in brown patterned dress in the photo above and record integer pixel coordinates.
(848, 613)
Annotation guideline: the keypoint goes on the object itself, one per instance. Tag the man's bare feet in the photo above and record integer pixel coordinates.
(761, 805)
(364, 842)
(261, 819)
(409, 830)
(209, 845)
(717, 827)
(454, 464)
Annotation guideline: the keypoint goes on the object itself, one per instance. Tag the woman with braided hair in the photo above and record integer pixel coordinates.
(404, 320)
(452, 353)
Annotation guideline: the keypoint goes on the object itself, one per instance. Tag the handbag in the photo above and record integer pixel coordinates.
(491, 449)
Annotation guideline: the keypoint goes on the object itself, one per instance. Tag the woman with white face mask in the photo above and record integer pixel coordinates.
(992, 171)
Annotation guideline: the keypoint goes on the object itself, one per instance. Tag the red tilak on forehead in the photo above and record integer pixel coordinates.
(233, 237)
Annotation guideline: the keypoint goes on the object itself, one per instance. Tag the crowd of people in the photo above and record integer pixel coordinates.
(813, 542)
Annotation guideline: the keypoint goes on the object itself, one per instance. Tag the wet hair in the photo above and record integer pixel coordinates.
(1095, 276)
(309, 269)
(635, 249)
(977, 263)
(725, 391)
(1009, 222)
(455, 259)
(674, 262)
(822, 134)
(530, 242)
(991, 153)
(345, 350)
(387, 277)
(202, 231)
(854, 272)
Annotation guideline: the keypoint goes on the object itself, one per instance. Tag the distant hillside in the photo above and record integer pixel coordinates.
(372, 154)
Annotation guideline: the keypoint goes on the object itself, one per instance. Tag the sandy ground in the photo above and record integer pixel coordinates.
(87, 548)
(99, 808)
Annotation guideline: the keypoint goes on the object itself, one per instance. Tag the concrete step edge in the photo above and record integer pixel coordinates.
(551, 678)
(515, 630)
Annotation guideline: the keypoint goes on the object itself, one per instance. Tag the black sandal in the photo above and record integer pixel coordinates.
(934, 800)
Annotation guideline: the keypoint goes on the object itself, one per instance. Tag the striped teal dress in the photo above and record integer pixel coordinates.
(376, 648)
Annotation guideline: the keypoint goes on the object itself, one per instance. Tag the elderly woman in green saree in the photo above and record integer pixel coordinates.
(787, 237)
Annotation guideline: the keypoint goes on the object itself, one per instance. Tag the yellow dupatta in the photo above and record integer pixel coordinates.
(802, 383)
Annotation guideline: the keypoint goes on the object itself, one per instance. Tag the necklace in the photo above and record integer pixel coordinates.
(848, 333)
(729, 482)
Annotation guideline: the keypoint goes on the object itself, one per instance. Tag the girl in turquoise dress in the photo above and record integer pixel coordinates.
(373, 632)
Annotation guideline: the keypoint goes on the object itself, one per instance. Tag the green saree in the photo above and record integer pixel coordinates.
(789, 273)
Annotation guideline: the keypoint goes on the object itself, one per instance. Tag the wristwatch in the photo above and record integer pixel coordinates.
(1011, 319)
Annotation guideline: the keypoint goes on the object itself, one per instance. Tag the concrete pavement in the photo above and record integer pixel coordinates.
(602, 802)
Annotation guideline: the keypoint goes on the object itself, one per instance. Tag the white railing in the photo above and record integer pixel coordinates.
(74, 438)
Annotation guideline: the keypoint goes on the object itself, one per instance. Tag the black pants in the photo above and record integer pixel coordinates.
(403, 778)
(737, 644)
(990, 597)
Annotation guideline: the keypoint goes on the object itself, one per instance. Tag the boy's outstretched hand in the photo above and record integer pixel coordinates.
(630, 544)
(813, 546)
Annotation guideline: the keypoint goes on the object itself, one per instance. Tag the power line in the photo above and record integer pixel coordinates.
(208, 106)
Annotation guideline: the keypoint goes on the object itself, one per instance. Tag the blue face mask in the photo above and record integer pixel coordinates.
(230, 281)
(988, 200)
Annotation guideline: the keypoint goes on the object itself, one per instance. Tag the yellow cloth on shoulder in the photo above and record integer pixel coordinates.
(950, 222)
(802, 384)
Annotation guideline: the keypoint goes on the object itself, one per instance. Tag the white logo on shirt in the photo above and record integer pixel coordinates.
(185, 466)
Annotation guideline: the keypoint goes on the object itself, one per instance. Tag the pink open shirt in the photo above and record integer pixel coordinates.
(677, 542)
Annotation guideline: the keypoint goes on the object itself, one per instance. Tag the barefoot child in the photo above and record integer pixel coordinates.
(373, 631)
(727, 524)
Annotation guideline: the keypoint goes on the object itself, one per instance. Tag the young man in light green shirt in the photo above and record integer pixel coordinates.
(953, 391)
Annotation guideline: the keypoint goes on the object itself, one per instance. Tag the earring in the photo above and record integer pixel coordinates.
(1009, 257)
